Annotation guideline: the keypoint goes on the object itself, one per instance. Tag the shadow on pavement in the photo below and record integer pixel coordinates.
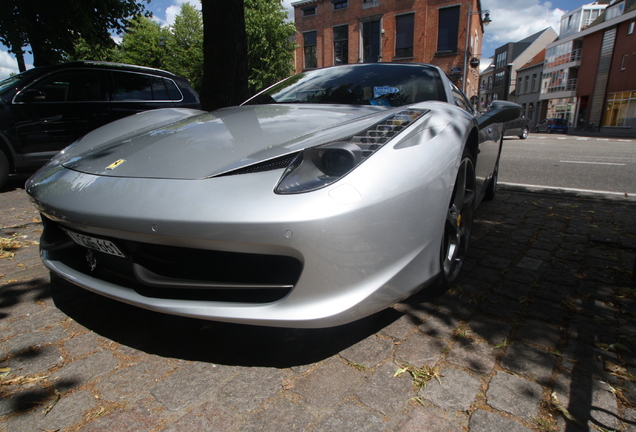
(15, 182)
(210, 341)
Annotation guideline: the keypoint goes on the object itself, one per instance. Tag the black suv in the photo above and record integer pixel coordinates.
(45, 109)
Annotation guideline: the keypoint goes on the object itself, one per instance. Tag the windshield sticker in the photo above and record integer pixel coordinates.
(380, 91)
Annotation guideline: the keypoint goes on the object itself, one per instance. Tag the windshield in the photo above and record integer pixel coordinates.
(361, 84)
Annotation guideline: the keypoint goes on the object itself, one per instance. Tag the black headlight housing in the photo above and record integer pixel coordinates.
(320, 166)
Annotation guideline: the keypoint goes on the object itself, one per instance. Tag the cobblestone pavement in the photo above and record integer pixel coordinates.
(537, 335)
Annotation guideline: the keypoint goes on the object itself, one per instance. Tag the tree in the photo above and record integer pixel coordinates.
(225, 54)
(84, 51)
(269, 38)
(144, 43)
(52, 28)
(185, 46)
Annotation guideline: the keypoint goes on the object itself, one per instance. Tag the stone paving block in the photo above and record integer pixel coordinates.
(285, 414)
(460, 305)
(133, 381)
(472, 286)
(383, 391)
(250, 386)
(135, 418)
(529, 361)
(630, 420)
(82, 344)
(514, 290)
(591, 331)
(441, 326)
(456, 390)
(589, 400)
(34, 360)
(27, 400)
(211, 414)
(493, 331)
(420, 350)
(80, 372)
(540, 333)
(502, 307)
(327, 383)
(544, 310)
(515, 395)
(522, 276)
(427, 420)
(400, 328)
(473, 355)
(582, 358)
(352, 417)
(485, 421)
(369, 352)
(189, 382)
(68, 411)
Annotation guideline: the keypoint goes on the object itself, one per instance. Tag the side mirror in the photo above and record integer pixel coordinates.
(31, 95)
(500, 112)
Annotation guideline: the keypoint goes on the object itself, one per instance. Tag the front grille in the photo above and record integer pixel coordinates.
(180, 273)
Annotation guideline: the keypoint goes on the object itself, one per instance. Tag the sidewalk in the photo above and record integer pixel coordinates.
(541, 328)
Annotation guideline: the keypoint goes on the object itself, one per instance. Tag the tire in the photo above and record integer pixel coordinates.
(4, 168)
(459, 222)
(524, 133)
(550, 130)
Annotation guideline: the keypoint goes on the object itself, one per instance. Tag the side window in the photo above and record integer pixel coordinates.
(139, 87)
(461, 101)
(71, 86)
(173, 90)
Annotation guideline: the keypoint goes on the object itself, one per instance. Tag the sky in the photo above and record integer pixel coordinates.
(512, 21)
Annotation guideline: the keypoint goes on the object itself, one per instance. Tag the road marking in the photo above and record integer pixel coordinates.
(593, 163)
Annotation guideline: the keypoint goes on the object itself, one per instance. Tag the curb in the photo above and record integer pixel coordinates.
(569, 192)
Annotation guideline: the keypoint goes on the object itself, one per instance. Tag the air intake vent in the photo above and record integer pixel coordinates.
(270, 165)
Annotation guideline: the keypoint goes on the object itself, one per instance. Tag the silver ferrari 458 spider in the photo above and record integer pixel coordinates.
(323, 199)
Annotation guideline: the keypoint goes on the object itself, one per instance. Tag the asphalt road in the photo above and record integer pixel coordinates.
(572, 162)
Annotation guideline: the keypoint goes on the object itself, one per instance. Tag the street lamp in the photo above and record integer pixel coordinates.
(485, 22)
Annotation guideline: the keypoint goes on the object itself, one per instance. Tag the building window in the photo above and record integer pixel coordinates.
(621, 109)
(490, 83)
(339, 4)
(404, 35)
(534, 83)
(630, 29)
(309, 11)
(341, 44)
(309, 46)
(370, 3)
(624, 62)
(371, 42)
(526, 89)
(501, 59)
(448, 29)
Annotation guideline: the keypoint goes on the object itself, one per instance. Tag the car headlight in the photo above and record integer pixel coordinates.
(320, 166)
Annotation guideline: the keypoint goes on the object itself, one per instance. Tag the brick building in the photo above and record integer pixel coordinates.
(367, 31)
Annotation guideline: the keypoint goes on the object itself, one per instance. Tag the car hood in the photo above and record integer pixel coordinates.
(190, 144)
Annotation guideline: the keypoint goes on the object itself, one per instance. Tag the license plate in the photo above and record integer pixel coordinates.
(100, 245)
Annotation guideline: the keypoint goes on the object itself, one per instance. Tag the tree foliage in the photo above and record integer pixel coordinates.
(185, 46)
(270, 52)
(144, 43)
(53, 28)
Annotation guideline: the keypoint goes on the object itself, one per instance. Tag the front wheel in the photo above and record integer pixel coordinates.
(524, 133)
(4, 168)
(459, 221)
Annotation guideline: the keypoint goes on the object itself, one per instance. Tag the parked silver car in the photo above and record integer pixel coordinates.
(325, 198)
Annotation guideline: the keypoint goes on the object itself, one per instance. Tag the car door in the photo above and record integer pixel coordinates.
(56, 110)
